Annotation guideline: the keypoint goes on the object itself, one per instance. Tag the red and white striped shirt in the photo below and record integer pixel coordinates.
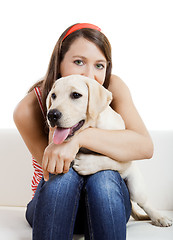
(38, 172)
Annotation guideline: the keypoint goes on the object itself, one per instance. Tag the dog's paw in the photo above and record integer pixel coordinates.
(85, 164)
(81, 168)
(162, 222)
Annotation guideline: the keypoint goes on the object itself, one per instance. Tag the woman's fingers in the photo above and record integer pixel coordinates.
(66, 166)
(45, 175)
(57, 158)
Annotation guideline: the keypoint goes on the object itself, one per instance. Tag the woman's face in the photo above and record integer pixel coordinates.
(84, 58)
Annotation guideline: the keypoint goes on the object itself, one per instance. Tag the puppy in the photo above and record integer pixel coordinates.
(76, 103)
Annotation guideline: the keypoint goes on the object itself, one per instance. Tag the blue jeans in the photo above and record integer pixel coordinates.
(97, 205)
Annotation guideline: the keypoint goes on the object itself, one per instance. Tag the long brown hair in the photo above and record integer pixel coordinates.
(60, 49)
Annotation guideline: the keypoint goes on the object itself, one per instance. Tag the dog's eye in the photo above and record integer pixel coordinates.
(53, 96)
(75, 95)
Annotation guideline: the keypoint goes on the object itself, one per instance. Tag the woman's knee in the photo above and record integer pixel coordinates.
(104, 183)
(106, 205)
(57, 203)
(67, 182)
(107, 189)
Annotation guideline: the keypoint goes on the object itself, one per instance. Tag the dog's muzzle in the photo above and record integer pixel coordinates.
(53, 116)
(61, 134)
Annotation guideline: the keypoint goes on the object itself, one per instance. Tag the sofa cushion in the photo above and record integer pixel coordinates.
(13, 226)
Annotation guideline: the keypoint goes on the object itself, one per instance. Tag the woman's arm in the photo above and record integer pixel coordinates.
(133, 143)
(130, 144)
(31, 124)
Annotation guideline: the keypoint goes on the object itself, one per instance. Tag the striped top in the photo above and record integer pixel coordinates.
(38, 172)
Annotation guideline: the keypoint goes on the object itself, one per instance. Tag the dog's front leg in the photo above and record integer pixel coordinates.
(86, 164)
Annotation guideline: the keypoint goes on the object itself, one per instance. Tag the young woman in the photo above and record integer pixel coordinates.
(65, 202)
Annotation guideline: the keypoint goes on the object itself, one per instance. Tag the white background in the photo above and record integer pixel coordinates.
(140, 32)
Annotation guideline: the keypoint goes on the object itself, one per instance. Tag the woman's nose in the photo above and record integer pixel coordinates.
(89, 72)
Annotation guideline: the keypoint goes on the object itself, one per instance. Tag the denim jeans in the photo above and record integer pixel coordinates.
(96, 205)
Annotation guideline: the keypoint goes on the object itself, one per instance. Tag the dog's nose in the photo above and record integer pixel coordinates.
(53, 116)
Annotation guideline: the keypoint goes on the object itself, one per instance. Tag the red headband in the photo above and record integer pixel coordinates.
(81, 26)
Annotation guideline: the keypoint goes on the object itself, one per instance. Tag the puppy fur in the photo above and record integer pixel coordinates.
(93, 107)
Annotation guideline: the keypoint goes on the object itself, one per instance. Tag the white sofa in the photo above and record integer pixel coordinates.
(16, 175)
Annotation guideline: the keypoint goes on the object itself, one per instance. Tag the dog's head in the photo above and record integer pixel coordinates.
(72, 102)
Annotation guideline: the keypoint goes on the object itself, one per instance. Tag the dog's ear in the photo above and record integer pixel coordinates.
(48, 99)
(98, 98)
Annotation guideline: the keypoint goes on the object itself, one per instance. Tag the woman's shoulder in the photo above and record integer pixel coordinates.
(26, 106)
(118, 88)
(27, 110)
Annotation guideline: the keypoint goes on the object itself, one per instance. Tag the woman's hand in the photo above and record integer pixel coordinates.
(57, 158)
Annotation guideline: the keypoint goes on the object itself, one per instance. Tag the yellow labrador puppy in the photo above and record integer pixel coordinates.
(77, 102)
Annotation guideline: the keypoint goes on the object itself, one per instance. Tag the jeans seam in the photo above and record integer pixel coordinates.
(110, 203)
(53, 218)
(91, 233)
(75, 208)
(122, 196)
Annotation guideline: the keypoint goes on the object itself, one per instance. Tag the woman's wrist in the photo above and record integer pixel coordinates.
(83, 137)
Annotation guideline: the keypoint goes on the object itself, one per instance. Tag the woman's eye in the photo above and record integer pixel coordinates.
(78, 62)
(99, 66)
(75, 95)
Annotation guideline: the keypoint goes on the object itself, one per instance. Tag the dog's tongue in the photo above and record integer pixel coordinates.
(60, 134)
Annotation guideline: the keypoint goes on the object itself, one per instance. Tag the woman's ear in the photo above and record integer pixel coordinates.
(98, 97)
